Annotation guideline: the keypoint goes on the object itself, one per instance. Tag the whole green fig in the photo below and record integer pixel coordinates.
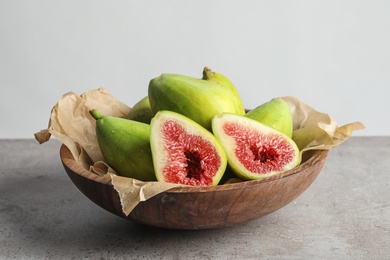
(141, 111)
(197, 99)
(274, 113)
(125, 145)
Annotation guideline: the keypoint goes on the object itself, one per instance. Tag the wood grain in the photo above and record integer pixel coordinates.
(202, 207)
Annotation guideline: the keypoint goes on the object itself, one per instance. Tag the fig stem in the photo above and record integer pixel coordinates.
(207, 73)
(96, 114)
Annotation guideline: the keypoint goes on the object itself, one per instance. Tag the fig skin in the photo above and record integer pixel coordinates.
(141, 111)
(223, 81)
(276, 114)
(170, 151)
(197, 99)
(125, 145)
(246, 159)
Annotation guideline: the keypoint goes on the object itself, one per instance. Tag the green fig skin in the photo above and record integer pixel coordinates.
(197, 99)
(222, 80)
(125, 145)
(141, 111)
(274, 113)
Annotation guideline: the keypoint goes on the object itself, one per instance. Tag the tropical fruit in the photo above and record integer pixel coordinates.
(141, 111)
(223, 81)
(184, 152)
(275, 113)
(254, 150)
(197, 99)
(125, 145)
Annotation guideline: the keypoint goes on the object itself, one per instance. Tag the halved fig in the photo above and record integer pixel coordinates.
(184, 152)
(254, 150)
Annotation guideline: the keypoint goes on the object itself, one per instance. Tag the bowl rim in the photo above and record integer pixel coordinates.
(309, 158)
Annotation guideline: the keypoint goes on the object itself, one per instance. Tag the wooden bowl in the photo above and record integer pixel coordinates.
(202, 207)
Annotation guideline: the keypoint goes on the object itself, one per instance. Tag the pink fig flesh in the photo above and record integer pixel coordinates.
(184, 152)
(254, 150)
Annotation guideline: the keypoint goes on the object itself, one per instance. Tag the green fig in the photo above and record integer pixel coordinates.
(276, 114)
(197, 99)
(141, 111)
(125, 145)
(254, 150)
(184, 152)
(222, 80)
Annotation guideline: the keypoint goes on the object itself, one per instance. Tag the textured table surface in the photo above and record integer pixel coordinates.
(345, 214)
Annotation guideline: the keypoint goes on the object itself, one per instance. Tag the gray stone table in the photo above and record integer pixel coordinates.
(345, 214)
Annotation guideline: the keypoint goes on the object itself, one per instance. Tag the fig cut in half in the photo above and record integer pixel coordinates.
(184, 152)
(254, 150)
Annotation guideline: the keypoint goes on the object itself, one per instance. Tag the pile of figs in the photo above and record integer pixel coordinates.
(193, 131)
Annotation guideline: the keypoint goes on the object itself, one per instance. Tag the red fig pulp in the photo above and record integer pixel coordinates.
(254, 150)
(184, 152)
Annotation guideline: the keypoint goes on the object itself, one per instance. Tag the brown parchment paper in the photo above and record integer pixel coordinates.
(71, 123)
(317, 130)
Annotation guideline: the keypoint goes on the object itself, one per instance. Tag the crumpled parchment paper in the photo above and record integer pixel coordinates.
(71, 123)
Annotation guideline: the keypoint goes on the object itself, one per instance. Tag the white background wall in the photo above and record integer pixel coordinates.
(333, 55)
